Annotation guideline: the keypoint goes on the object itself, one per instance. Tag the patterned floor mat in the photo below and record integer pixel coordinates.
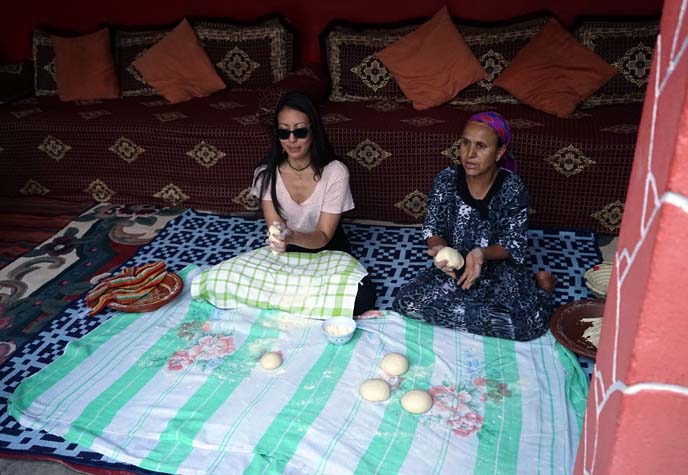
(28, 221)
(37, 286)
(392, 255)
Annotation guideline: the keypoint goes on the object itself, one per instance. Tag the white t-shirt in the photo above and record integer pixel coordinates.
(331, 195)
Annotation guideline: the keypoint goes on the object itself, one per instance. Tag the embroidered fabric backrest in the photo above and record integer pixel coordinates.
(629, 47)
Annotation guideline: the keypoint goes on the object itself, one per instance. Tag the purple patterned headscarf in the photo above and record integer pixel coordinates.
(503, 131)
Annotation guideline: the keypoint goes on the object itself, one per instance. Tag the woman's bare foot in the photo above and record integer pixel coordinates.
(545, 280)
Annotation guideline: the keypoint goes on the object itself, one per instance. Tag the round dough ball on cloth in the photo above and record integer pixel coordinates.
(394, 364)
(374, 390)
(271, 360)
(416, 401)
(452, 256)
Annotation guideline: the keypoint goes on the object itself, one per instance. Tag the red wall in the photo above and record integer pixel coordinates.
(637, 417)
(308, 16)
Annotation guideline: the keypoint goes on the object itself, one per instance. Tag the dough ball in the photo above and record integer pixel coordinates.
(271, 360)
(394, 364)
(451, 255)
(275, 231)
(374, 390)
(417, 401)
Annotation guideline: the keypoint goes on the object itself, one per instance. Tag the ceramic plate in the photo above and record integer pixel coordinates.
(166, 290)
(567, 325)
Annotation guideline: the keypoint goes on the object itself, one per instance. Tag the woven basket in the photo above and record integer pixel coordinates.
(597, 279)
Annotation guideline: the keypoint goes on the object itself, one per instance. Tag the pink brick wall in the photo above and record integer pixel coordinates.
(637, 416)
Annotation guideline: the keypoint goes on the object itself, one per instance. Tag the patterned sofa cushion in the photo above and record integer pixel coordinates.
(130, 44)
(16, 81)
(576, 169)
(628, 46)
(349, 53)
(310, 80)
(357, 75)
(43, 64)
(121, 151)
(495, 45)
(248, 55)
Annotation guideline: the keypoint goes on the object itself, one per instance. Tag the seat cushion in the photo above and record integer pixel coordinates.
(199, 153)
(576, 169)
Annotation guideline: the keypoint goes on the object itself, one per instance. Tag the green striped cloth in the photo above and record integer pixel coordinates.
(180, 390)
(318, 285)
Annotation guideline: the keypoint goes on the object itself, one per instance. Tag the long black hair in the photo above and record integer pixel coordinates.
(321, 149)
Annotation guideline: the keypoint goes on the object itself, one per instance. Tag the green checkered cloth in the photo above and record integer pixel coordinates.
(318, 285)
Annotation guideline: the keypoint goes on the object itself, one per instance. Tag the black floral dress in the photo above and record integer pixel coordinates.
(505, 302)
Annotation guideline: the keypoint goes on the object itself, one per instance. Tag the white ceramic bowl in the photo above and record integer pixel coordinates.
(597, 279)
(338, 330)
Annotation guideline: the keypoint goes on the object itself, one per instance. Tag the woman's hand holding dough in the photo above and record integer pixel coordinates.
(277, 237)
(441, 265)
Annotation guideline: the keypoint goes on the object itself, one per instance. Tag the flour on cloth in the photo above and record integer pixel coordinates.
(181, 390)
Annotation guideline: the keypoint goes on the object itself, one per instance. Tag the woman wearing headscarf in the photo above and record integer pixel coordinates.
(480, 208)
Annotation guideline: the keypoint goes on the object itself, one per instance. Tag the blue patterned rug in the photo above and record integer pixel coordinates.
(392, 254)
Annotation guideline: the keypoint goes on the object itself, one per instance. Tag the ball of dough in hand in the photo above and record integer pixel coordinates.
(271, 360)
(451, 255)
(374, 390)
(394, 364)
(417, 401)
(275, 231)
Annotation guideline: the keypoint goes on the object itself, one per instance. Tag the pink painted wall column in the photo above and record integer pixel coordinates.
(637, 416)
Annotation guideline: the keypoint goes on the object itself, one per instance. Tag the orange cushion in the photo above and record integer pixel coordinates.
(178, 67)
(84, 69)
(432, 63)
(554, 73)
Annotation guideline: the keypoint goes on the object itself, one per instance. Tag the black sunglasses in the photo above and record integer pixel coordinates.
(300, 133)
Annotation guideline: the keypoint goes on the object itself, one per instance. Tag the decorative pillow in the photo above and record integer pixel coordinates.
(84, 69)
(495, 45)
(248, 55)
(178, 67)
(629, 47)
(356, 74)
(318, 285)
(44, 64)
(432, 64)
(554, 73)
(131, 44)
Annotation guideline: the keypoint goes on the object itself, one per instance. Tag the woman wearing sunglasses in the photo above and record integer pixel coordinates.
(304, 189)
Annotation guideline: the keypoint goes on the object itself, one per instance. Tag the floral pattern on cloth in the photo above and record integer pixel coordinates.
(207, 348)
(461, 404)
(505, 302)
